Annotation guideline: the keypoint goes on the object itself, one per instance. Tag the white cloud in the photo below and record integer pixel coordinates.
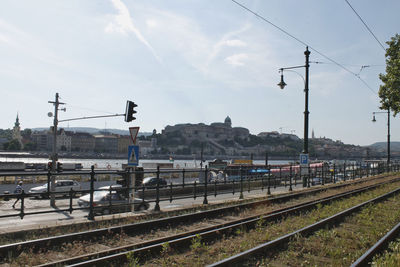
(235, 43)
(4, 39)
(237, 59)
(226, 41)
(151, 23)
(26, 43)
(123, 24)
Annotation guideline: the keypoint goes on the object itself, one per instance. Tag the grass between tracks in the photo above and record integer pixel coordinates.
(344, 244)
(298, 255)
(389, 258)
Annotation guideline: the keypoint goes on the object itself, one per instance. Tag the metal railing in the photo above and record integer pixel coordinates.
(189, 183)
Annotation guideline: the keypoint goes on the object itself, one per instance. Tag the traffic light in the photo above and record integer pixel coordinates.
(59, 167)
(130, 111)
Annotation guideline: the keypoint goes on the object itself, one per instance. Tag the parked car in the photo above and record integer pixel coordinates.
(151, 182)
(62, 187)
(106, 202)
(316, 181)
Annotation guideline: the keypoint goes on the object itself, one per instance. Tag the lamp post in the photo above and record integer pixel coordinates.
(388, 131)
(282, 85)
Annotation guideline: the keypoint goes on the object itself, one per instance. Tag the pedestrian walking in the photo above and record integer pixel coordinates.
(18, 190)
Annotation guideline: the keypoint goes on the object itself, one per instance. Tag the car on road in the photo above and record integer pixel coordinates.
(316, 181)
(62, 187)
(107, 201)
(151, 182)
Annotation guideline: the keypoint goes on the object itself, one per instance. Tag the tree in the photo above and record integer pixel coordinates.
(13, 145)
(389, 91)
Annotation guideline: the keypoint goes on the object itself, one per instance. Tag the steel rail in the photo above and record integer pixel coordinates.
(139, 227)
(305, 231)
(378, 247)
(14, 248)
(207, 234)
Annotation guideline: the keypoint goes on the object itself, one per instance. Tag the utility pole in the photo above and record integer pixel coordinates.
(54, 156)
(306, 112)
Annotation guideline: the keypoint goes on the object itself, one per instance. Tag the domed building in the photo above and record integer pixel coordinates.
(228, 121)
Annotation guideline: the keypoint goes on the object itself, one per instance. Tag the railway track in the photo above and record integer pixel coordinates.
(378, 247)
(250, 256)
(207, 234)
(15, 248)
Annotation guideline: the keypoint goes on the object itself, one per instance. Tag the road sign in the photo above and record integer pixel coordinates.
(134, 131)
(304, 159)
(133, 155)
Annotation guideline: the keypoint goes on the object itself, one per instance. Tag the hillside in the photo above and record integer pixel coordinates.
(394, 146)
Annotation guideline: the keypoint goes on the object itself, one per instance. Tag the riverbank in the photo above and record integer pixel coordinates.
(111, 156)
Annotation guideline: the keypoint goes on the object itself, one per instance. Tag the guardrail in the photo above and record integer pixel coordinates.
(192, 183)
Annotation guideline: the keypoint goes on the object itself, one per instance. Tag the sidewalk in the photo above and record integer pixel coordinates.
(48, 220)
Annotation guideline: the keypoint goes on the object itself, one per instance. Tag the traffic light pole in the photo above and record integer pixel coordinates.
(54, 157)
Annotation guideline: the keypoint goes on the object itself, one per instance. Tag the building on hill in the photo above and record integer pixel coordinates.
(201, 131)
(82, 142)
(41, 140)
(106, 143)
(16, 132)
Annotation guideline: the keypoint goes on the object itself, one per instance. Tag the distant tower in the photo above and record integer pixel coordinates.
(313, 135)
(228, 121)
(16, 134)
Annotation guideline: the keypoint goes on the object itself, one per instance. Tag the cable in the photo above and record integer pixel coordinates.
(88, 109)
(366, 26)
(303, 43)
(350, 65)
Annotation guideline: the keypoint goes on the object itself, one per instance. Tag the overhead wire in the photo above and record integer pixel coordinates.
(93, 110)
(366, 26)
(304, 43)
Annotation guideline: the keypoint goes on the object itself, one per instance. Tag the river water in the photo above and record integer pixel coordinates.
(117, 163)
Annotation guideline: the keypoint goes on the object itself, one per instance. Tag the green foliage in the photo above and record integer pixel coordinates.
(7, 133)
(13, 145)
(26, 133)
(389, 91)
(197, 245)
(132, 261)
(30, 146)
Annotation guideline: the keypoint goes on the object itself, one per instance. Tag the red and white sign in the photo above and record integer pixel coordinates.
(134, 132)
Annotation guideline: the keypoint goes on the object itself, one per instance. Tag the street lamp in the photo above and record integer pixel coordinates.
(388, 134)
(282, 85)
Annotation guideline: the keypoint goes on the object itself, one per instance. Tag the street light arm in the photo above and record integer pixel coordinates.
(299, 75)
(295, 67)
(93, 117)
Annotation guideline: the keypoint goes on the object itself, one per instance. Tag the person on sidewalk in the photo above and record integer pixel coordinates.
(18, 190)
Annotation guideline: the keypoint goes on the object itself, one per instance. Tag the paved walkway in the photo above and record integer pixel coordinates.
(39, 221)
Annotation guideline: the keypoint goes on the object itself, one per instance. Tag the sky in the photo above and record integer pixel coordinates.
(198, 61)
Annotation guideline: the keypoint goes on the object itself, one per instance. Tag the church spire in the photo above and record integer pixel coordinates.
(17, 121)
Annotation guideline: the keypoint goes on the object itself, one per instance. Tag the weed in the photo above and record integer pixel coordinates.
(196, 243)
(132, 260)
(260, 225)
